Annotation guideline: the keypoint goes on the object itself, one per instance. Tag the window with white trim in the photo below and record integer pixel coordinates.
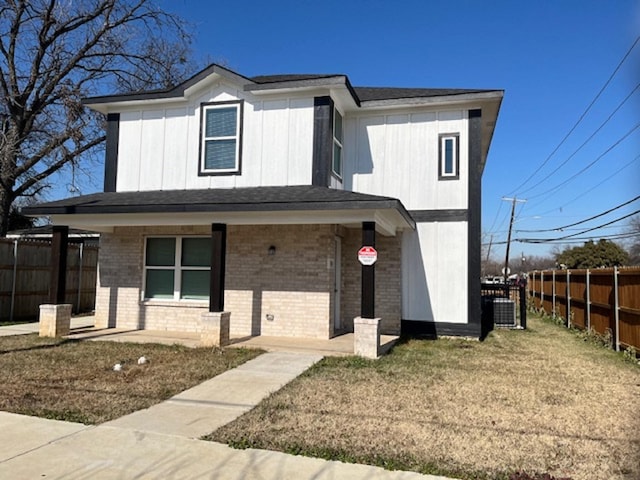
(177, 268)
(449, 153)
(336, 163)
(220, 148)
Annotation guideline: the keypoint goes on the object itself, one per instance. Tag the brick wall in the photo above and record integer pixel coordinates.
(388, 277)
(286, 294)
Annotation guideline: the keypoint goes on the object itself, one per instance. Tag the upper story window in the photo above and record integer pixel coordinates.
(336, 164)
(449, 153)
(177, 268)
(221, 143)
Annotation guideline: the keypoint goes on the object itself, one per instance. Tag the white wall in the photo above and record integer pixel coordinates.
(397, 155)
(159, 147)
(434, 272)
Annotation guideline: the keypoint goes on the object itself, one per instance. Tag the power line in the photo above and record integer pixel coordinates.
(547, 240)
(580, 118)
(598, 158)
(583, 221)
(586, 141)
(620, 236)
(592, 188)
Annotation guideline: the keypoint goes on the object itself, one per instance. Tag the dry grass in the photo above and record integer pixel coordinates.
(540, 401)
(75, 381)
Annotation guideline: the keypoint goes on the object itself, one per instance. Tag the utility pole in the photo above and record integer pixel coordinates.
(513, 201)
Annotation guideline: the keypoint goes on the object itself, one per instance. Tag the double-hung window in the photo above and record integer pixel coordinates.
(336, 164)
(449, 153)
(177, 268)
(221, 143)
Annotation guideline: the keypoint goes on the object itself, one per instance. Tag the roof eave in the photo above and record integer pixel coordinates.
(334, 82)
(179, 93)
(451, 99)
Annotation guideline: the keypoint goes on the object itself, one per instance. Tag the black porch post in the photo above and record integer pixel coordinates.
(58, 282)
(368, 297)
(218, 254)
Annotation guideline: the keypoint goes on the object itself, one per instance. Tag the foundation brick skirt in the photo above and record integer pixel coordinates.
(215, 329)
(55, 320)
(366, 335)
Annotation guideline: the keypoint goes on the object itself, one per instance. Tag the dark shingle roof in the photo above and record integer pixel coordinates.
(292, 77)
(366, 94)
(254, 199)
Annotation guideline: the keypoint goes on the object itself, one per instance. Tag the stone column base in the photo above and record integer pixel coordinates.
(215, 329)
(55, 320)
(366, 341)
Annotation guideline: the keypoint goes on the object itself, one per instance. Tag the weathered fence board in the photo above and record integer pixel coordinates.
(24, 277)
(606, 300)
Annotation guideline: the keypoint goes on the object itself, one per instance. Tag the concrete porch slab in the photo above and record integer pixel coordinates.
(341, 345)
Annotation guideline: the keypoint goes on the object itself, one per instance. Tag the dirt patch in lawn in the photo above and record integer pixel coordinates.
(539, 401)
(75, 380)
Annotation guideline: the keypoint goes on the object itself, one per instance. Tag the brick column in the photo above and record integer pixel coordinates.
(55, 320)
(366, 337)
(215, 329)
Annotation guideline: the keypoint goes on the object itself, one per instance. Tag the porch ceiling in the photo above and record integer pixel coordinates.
(307, 204)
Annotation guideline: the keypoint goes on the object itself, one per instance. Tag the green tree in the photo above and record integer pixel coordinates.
(604, 253)
(53, 53)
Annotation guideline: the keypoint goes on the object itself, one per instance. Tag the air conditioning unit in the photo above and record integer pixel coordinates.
(504, 312)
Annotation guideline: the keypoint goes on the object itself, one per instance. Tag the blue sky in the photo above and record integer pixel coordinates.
(550, 57)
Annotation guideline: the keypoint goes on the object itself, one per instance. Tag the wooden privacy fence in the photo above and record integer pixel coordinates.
(605, 300)
(25, 277)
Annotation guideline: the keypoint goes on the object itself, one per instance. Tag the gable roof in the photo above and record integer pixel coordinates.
(265, 83)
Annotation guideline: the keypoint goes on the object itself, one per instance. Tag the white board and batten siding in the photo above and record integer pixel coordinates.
(396, 155)
(159, 148)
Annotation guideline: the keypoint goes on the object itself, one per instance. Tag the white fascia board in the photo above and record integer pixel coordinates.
(388, 222)
(133, 104)
(432, 101)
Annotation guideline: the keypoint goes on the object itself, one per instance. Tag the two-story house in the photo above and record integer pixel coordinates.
(254, 195)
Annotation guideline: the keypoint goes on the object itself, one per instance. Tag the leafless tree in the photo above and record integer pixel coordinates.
(53, 53)
(633, 243)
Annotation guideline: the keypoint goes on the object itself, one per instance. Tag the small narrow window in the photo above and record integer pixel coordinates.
(221, 143)
(336, 164)
(449, 162)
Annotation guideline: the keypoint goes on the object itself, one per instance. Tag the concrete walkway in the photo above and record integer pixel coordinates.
(216, 402)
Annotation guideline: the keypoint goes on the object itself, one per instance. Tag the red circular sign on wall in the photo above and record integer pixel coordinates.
(367, 256)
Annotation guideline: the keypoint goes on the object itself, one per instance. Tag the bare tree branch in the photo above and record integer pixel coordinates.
(52, 55)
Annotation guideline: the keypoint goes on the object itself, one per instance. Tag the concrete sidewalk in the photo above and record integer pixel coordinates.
(77, 323)
(59, 450)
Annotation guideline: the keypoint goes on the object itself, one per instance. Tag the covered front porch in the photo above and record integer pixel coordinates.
(265, 262)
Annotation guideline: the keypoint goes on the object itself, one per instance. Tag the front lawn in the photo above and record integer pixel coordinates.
(75, 381)
(538, 401)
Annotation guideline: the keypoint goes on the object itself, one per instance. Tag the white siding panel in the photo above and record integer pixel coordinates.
(396, 169)
(434, 273)
(423, 178)
(175, 149)
(128, 175)
(300, 149)
(397, 155)
(251, 146)
(193, 180)
(275, 143)
(370, 149)
(152, 150)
